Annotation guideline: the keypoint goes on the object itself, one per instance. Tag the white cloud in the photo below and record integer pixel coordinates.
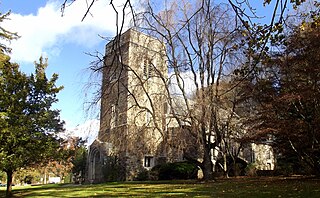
(46, 31)
(87, 131)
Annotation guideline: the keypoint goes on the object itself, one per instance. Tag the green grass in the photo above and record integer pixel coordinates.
(239, 187)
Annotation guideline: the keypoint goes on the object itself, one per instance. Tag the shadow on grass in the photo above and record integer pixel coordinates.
(235, 187)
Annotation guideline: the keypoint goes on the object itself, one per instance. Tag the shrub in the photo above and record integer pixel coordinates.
(28, 179)
(112, 169)
(143, 175)
(177, 170)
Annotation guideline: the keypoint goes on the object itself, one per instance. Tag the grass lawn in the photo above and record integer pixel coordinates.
(234, 187)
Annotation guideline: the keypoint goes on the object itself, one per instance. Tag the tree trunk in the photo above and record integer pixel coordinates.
(9, 183)
(45, 176)
(225, 166)
(207, 166)
(235, 168)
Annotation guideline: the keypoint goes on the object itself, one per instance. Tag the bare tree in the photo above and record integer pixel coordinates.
(201, 44)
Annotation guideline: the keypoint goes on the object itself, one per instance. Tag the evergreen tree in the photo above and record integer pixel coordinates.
(28, 122)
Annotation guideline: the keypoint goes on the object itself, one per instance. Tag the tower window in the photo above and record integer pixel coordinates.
(113, 75)
(114, 116)
(148, 117)
(253, 156)
(165, 108)
(268, 154)
(147, 68)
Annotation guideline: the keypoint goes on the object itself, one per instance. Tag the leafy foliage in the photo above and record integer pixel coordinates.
(28, 122)
(177, 170)
(287, 92)
(113, 170)
(27, 176)
(79, 160)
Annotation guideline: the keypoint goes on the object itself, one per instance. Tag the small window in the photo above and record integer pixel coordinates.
(148, 161)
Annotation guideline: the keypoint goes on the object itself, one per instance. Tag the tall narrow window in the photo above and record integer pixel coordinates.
(148, 117)
(165, 108)
(113, 119)
(268, 154)
(148, 68)
(145, 68)
(113, 75)
(253, 156)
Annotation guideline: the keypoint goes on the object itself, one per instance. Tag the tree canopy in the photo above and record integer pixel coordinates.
(28, 122)
(286, 95)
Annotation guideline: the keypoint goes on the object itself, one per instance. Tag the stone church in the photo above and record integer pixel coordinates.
(135, 131)
(133, 109)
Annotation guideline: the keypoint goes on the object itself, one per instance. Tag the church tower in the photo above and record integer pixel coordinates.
(133, 109)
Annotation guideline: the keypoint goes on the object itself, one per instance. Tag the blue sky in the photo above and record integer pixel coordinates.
(64, 41)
